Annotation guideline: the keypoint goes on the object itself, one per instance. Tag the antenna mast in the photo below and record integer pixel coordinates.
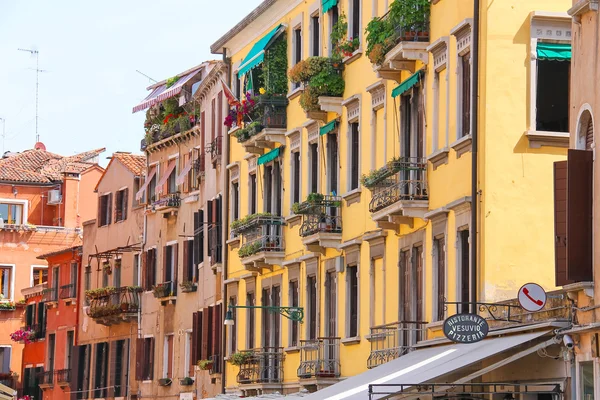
(36, 53)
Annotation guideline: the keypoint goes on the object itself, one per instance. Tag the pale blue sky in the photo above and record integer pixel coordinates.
(91, 51)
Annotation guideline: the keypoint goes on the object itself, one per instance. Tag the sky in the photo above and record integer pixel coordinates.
(90, 52)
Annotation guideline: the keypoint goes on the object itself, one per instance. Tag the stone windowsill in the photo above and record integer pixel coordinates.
(233, 130)
(355, 56)
(234, 242)
(295, 93)
(462, 145)
(293, 220)
(439, 157)
(435, 326)
(352, 196)
(292, 349)
(538, 139)
(351, 340)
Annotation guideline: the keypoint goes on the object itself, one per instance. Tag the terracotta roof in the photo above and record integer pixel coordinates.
(133, 162)
(10, 173)
(77, 247)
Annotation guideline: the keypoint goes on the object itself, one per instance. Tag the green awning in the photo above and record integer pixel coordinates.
(270, 156)
(257, 52)
(554, 51)
(328, 4)
(328, 127)
(407, 84)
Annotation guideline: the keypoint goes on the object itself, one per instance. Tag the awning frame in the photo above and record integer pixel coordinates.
(248, 64)
(407, 84)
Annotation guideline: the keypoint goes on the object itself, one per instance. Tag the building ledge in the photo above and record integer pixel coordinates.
(462, 145)
(538, 139)
(293, 220)
(355, 56)
(331, 104)
(295, 93)
(586, 287)
(320, 241)
(263, 259)
(352, 196)
(317, 115)
(399, 213)
(582, 7)
(292, 349)
(439, 157)
(350, 341)
(234, 242)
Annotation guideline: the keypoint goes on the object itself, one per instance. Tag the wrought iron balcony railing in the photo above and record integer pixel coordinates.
(409, 27)
(165, 289)
(63, 376)
(170, 200)
(321, 214)
(393, 340)
(255, 222)
(403, 180)
(50, 294)
(264, 365)
(46, 378)
(215, 148)
(320, 358)
(217, 364)
(68, 291)
(115, 305)
(263, 243)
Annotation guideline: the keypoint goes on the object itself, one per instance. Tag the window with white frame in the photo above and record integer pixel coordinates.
(13, 212)
(5, 358)
(234, 190)
(463, 34)
(296, 172)
(6, 282)
(439, 261)
(313, 167)
(252, 188)
(439, 50)
(333, 16)
(586, 377)
(138, 182)
(550, 70)
(315, 34)
(354, 20)
(39, 274)
(296, 48)
(151, 192)
(168, 356)
(105, 209)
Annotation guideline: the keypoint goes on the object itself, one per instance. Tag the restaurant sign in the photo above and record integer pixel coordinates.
(466, 328)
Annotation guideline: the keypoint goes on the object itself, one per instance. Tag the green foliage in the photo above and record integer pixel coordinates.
(248, 218)
(275, 67)
(205, 364)
(338, 34)
(99, 292)
(321, 79)
(249, 249)
(248, 131)
(171, 81)
(315, 198)
(240, 358)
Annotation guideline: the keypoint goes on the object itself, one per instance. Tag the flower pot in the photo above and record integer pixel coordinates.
(186, 381)
(164, 382)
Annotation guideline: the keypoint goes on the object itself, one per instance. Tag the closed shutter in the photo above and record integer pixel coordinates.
(110, 206)
(579, 215)
(589, 134)
(209, 220)
(196, 255)
(75, 372)
(560, 223)
(41, 318)
(355, 151)
(198, 336)
(212, 121)
(165, 278)
(194, 349)
(186, 257)
(220, 118)
(144, 263)
(185, 186)
(201, 251)
(205, 341)
(125, 202)
(139, 352)
(175, 250)
(203, 138)
(112, 368)
(150, 360)
(85, 381)
(219, 227)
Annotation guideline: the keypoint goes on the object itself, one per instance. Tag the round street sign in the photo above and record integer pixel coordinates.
(532, 297)
(466, 328)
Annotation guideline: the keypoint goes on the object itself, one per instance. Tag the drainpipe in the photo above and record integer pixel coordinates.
(474, 134)
(225, 222)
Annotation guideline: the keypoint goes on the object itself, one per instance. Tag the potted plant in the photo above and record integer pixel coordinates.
(164, 382)
(205, 364)
(188, 286)
(160, 291)
(240, 358)
(187, 381)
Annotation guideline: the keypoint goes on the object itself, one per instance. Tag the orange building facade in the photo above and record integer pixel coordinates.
(34, 349)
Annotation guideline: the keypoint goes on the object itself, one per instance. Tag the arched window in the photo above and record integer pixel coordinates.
(585, 131)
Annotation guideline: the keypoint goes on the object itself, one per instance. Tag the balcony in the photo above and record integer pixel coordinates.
(262, 240)
(165, 136)
(215, 149)
(399, 192)
(166, 292)
(112, 306)
(39, 228)
(68, 293)
(400, 37)
(319, 361)
(63, 377)
(268, 127)
(215, 247)
(46, 380)
(50, 296)
(168, 203)
(37, 331)
(262, 366)
(322, 221)
(200, 167)
(393, 340)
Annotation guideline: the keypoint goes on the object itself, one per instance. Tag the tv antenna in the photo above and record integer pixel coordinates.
(143, 74)
(36, 53)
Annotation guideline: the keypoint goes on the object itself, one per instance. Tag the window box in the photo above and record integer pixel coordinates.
(164, 382)
(186, 381)
(188, 287)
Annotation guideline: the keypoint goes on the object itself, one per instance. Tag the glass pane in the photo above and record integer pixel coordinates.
(4, 212)
(587, 380)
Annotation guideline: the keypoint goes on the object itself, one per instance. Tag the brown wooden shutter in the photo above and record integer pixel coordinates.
(589, 134)
(212, 121)
(150, 360)
(139, 352)
(205, 341)
(579, 215)
(186, 258)
(144, 262)
(560, 223)
(194, 349)
(175, 250)
(164, 271)
(110, 204)
(112, 367)
(203, 136)
(125, 202)
(214, 331)
(184, 185)
(75, 372)
(200, 324)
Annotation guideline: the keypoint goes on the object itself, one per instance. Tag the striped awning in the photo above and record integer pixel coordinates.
(407, 84)
(165, 176)
(186, 169)
(328, 127)
(328, 4)
(256, 55)
(140, 194)
(162, 93)
(270, 156)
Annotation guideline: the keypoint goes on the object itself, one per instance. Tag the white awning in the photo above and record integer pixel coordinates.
(426, 365)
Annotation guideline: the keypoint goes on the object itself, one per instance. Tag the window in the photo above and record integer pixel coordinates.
(121, 205)
(12, 213)
(238, 85)
(51, 350)
(355, 11)
(168, 357)
(5, 354)
(198, 237)
(87, 281)
(172, 179)
(252, 184)
(30, 314)
(552, 96)
(334, 15)
(313, 158)
(296, 177)
(69, 349)
(40, 317)
(272, 195)
(74, 274)
(464, 269)
(170, 263)
(311, 287)
(331, 304)
(188, 261)
(39, 275)
(152, 186)
(213, 111)
(137, 185)
(144, 359)
(117, 275)
(354, 156)
(418, 274)
(105, 210)
(136, 269)
(6, 285)
(118, 373)
(465, 95)
(352, 282)
(150, 278)
(332, 162)
(219, 117)
(315, 32)
(439, 256)
(250, 301)
(294, 302)
(235, 201)
(105, 268)
(101, 370)
(297, 49)
(586, 376)
(405, 293)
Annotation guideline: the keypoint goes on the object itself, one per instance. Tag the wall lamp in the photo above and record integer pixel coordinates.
(292, 313)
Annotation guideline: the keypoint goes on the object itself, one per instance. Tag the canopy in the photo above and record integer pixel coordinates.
(165, 176)
(186, 169)
(257, 52)
(270, 156)
(162, 93)
(407, 84)
(328, 127)
(427, 364)
(140, 194)
(328, 4)
(554, 51)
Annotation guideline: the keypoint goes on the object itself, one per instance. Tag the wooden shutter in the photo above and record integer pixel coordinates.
(194, 349)
(75, 372)
(589, 134)
(150, 360)
(201, 236)
(579, 215)
(87, 359)
(200, 324)
(354, 155)
(204, 352)
(212, 121)
(203, 137)
(209, 226)
(184, 185)
(164, 272)
(125, 202)
(110, 205)
(219, 227)
(186, 258)
(560, 223)
(175, 250)
(112, 367)
(139, 353)
(144, 263)
(214, 331)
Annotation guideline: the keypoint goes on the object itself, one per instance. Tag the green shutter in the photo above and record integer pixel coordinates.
(257, 52)
(554, 51)
(328, 4)
(407, 84)
(270, 156)
(325, 129)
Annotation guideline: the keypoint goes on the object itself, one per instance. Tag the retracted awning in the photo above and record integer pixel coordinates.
(328, 4)
(328, 127)
(554, 51)
(162, 93)
(270, 156)
(140, 194)
(165, 176)
(429, 364)
(257, 52)
(186, 169)
(407, 84)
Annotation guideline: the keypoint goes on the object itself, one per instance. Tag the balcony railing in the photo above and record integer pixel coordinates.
(393, 340)
(165, 289)
(68, 291)
(264, 243)
(268, 113)
(215, 148)
(46, 378)
(264, 365)
(39, 228)
(411, 26)
(115, 305)
(321, 215)
(199, 166)
(170, 200)
(63, 376)
(320, 358)
(217, 364)
(402, 180)
(50, 294)
(39, 331)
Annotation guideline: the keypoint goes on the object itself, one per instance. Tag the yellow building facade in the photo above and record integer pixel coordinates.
(373, 256)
